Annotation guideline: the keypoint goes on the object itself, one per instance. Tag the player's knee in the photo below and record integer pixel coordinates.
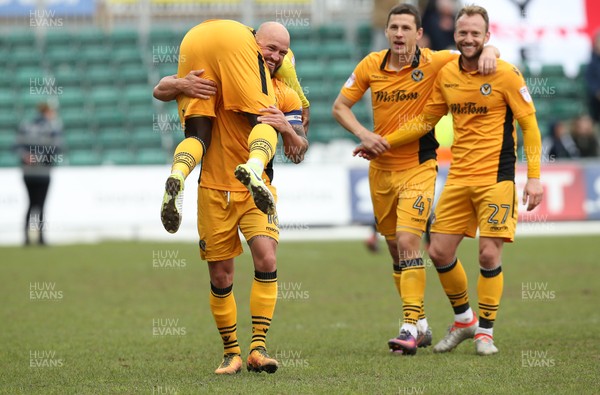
(408, 245)
(438, 255)
(489, 257)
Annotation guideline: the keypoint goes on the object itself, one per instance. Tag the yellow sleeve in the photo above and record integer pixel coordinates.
(412, 130)
(532, 144)
(287, 74)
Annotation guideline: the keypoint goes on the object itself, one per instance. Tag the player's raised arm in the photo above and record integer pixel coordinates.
(289, 125)
(287, 74)
(191, 85)
(344, 116)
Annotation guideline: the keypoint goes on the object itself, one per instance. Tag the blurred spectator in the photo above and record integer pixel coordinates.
(559, 143)
(39, 144)
(592, 77)
(584, 136)
(381, 9)
(438, 24)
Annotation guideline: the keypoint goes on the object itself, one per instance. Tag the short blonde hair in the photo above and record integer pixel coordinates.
(471, 10)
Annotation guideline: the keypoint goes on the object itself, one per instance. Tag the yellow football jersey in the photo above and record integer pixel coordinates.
(229, 144)
(397, 97)
(484, 109)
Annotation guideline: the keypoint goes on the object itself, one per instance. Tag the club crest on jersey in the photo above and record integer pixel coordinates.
(485, 89)
(417, 75)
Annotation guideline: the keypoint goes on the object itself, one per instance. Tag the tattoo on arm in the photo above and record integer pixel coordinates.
(299, 129)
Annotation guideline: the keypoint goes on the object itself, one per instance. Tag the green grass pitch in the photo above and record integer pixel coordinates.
(108, 319)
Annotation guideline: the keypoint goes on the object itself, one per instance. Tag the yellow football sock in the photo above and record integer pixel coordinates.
(262, 143)
(489, 292)
(454, 282)
(413, 289)
(422, 313)
(187, 155)
(263, 297)
(224, 310)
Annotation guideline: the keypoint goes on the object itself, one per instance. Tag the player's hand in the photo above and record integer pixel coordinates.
(533, 193)
(192, 85)
(273, 116)
(487, 61)
(374, 143)
(362, 152)
(306, 119)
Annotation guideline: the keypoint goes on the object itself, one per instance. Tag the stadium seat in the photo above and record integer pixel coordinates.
(8, 140)
(123, 37)
(69, 77)
(552, 70)
(162, 35)
(566, 108)
(99, 76)
(328, 32)
(83, 158)
(305, 52)
(25, 57)
(9, 121)
(127, 56)
(141, 117)
(7, 99)
(9, 158)
(59, 38)
(20, 38)
(113, 138)
(63, 55)
(138, 96)
(299, 33)
(132, 74)
(94, 55)
(310, 71)
(75, 117)
(103, 97)
(79, 139)
(152, 156)
(90, 36)
(338, 51)
(146, 138)
(339, 71)
(118, 156)
(108, 117)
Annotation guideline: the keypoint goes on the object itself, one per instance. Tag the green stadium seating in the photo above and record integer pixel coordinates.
(566, 108)
(79, 139)
(7, 99)
(9, 121)
(9, 159)
(138, 95)
(63, 55)
(330, 32)
(102, 97)
(113, 138)
(152, 156)
(69, 77)
(300, 33)
(8, 140)
(23, 38)
(59, 38)
(84, 158)
(141, 117)
(118, 156)
(339, 71)
(75, 117)
(305, 52)
(338, 51)
(91, 36)
(133, 74)
(123, 37)
(146, 138)
(127, 56)
(108, 117)
(99, 76)
(552, 70)
(24, 57)
(310, 72)
(94, 55)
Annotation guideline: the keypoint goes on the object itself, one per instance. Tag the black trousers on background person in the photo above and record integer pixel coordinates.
(37, 189)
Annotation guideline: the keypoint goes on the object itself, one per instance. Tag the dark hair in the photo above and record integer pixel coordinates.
(471, 10)
(406, 9)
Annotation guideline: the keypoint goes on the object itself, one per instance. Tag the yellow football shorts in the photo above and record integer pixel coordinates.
(402, 200)
(230, 56)
(491, 208)
(222, 213)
